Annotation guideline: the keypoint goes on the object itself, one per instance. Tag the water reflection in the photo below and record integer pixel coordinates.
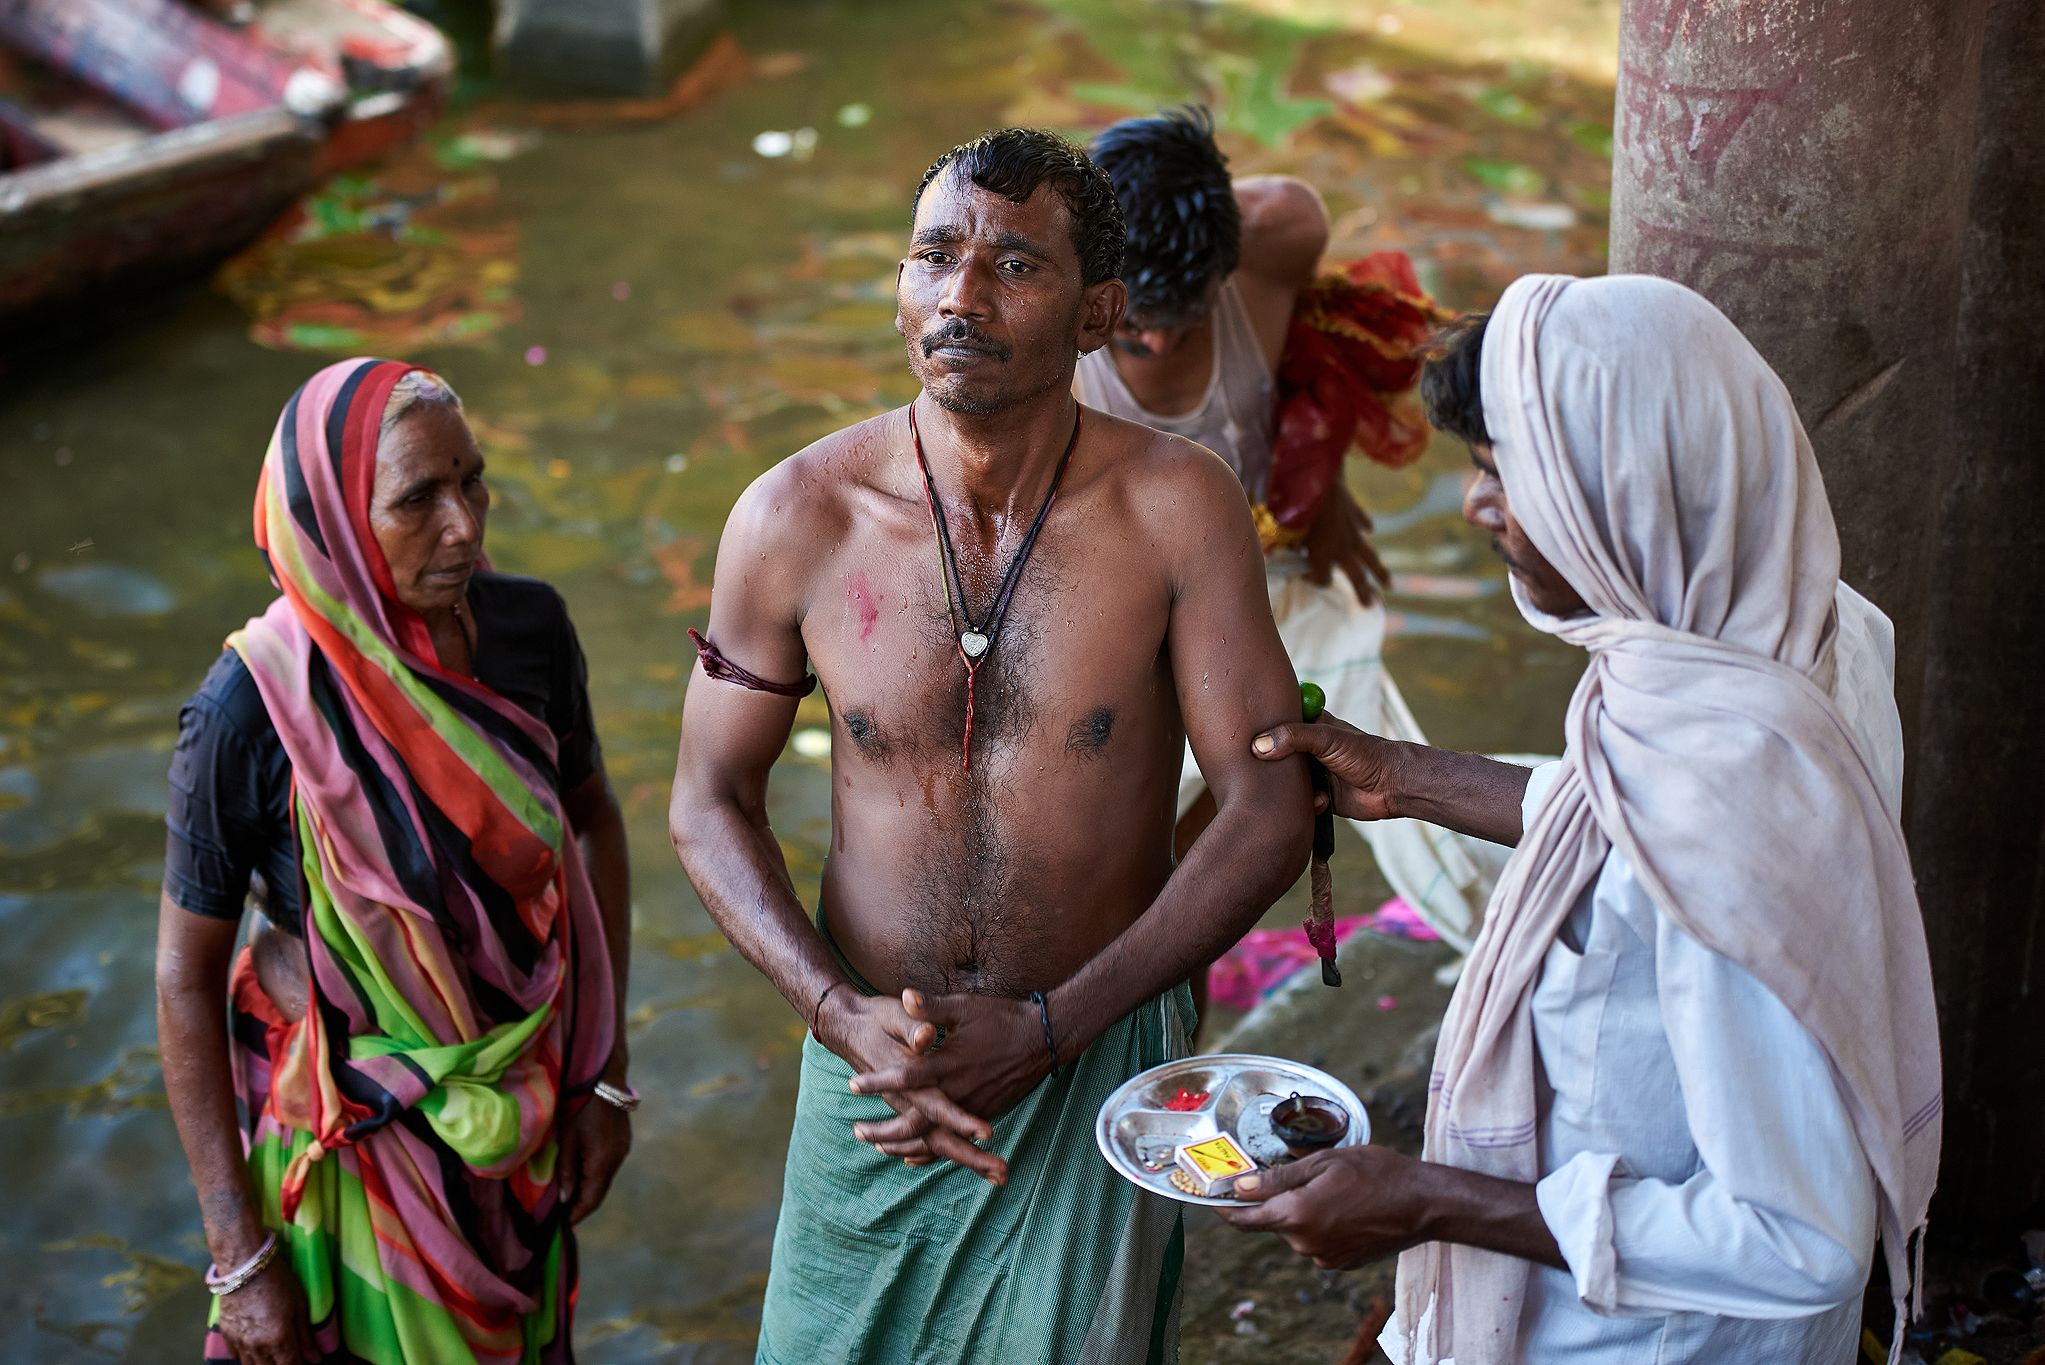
(643, 310)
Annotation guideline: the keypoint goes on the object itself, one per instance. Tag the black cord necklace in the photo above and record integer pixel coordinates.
(976, 641)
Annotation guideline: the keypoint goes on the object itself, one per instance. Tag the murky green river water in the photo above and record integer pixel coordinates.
(643, 311)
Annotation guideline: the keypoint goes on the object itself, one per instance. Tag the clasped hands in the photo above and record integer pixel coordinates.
(944, 1094)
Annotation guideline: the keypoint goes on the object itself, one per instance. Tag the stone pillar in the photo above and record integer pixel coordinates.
(1857, 184)
(1805, 165)
(600, 47)
(1977, 813)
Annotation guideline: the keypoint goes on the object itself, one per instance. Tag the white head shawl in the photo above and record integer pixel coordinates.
(1656, 461)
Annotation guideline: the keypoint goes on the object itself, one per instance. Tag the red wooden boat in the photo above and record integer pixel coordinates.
(145, 140)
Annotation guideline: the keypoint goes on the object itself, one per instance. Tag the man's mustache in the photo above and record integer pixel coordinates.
(959, 332)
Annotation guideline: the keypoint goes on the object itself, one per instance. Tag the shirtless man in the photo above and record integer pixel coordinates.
(1001, 914)
(1214, 267)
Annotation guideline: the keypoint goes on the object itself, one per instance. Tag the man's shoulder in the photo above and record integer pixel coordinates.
(812, 492)
(1285, 228)
(1163, 473)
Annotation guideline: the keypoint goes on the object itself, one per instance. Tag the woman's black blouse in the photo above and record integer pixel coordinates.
(230, 781)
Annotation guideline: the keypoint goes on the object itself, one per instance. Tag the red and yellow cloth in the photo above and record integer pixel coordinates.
(1346, 380)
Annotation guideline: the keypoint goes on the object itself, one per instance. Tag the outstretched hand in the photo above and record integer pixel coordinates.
(1340, 1208)
(1355, 1204)
(992, 1055)
(883, 1040)
(1364, 766)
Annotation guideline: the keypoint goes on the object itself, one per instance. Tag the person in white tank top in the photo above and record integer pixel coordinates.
(1214, 267)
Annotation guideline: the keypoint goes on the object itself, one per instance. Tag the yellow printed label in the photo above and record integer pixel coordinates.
(1217, 1157)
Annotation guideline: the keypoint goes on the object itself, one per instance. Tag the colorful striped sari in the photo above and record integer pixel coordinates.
(402, 1133)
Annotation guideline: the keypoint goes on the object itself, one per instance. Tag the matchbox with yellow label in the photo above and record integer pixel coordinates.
(1213, 1165)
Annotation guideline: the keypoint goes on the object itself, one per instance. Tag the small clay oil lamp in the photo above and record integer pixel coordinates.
(1308, 1123)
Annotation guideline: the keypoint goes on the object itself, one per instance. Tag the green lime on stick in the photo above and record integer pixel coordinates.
(1312, 701)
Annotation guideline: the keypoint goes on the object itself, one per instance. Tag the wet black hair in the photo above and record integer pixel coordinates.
(1015, 161)
(1184, 227)
(1451, 386)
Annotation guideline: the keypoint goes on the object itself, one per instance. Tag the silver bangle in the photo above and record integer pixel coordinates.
(219, 1282)
(625, 1098)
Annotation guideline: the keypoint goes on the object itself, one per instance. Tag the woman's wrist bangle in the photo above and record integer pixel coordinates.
(618, 1096)
(221, 1282)
(1050, 1040)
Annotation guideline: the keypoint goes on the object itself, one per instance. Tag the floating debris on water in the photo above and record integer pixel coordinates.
(105, 590)
(483, 144)
(31, 1014)
(798, 144)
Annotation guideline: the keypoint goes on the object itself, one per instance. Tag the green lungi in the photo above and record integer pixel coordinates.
(1068, 1264)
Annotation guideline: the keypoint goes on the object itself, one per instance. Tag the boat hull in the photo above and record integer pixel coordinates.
(93, 228)
(101, 225)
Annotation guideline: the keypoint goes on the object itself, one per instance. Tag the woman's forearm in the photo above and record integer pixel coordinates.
(191, 1025)
(1467, 793)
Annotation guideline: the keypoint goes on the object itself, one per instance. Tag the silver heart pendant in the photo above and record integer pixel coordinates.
(973, 643)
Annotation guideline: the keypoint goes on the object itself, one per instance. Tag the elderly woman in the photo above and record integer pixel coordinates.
(385, 1097)
(1691, 1072)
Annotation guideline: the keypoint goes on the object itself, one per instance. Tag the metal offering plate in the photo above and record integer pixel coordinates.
(1140, 1136)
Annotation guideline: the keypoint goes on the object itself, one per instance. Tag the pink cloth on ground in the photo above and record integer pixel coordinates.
(1266, 958)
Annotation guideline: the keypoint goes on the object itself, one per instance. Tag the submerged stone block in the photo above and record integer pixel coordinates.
(600, 47)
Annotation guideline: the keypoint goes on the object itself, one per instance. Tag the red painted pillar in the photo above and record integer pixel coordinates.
(1805, 165)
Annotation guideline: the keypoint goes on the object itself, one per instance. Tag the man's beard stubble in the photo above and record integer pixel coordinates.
(978, 401)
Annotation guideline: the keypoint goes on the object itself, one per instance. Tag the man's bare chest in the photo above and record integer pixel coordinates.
(1078, 650)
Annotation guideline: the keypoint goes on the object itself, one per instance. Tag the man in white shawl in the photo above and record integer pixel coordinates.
(1691, 1072)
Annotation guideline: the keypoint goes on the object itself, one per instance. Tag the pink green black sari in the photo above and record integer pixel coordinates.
(402, 1133)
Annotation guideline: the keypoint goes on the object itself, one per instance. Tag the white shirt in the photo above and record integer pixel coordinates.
(1700, 1171)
